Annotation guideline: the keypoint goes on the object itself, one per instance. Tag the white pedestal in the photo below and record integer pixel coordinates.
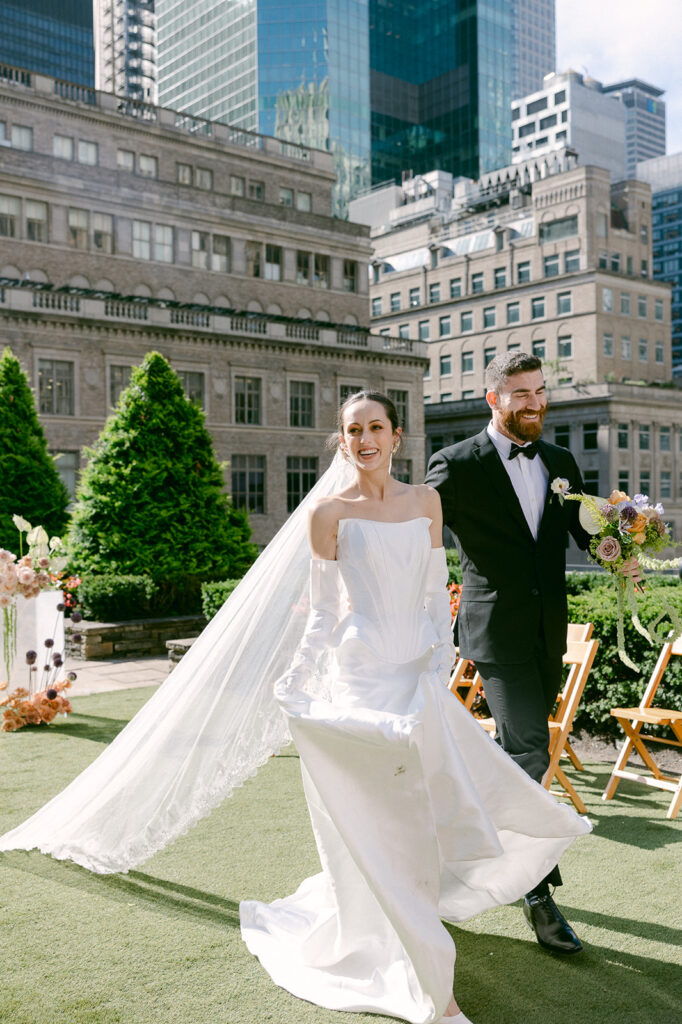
(37, 620)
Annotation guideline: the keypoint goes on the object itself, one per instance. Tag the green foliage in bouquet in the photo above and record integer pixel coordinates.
(112, 598)
(29, 481)
(151, 501)
(610, 684)
(214, 596)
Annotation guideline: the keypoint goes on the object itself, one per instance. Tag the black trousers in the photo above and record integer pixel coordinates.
(520, 698)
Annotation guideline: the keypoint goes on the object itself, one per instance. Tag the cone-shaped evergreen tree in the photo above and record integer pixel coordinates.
(151, 500)
(30, 485)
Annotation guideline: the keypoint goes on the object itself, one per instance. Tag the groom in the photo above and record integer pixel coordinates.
(511, 533)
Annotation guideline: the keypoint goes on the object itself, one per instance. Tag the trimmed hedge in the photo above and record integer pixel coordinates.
(214, 596)
(117, 598)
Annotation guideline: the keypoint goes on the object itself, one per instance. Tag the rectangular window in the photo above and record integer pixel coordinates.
(624, 436)
(248, 482)
(564, 303)
(551, 264)
(500, 277)
(401, 469)
(488, 356)
(119, 379)
(644, 437)
(414, 297)
(204, 178)
(376, 303)
(286, 196)
(523, 272)
(36, 220)
(513, 312)
(455, 287)
(572, 261)
(467, 362)
(658, 352)
(535, 105)
(304, 202)
(301, 403)
(220, 253)
(273, 263)
(400, 398)
(625, 348)
(559, 97)
(537, 308)
(163, 243)
(56, 387)
(466, 322)
(434, 293)
(591, 481)
(643, 350)
(142, 240)
(477, 282)
(194, 385)
(555, 230)
(565, 348)
(256, 190)
(237, 185)
(102, 232)
(608, 345)
(644, 481)
(301, 478)
(644, 268)
(590, 431)
(644, 234)
(615, 262)
(247, 400)
(254, 259)
(658, 309)
(22, 137)
(395, 302)
(602, 225)
(641, 306)
(78, 229)
(603, 260)
(624, 480)
(183, 174)
(445, 365)
(350, 276)
(424, 330)
(303, 276)
(87, 152)
(125, 159)
(200, 249)
(607, 300)
(562, 435)
(489, 316)
(467, 393)
(62, 146)
(444, 326)
(539, 349)
(514, 347)
(345, 390)
(625, 303)
(547, 122)
(665, 439)
(147, 166)
(67, 465)
(403, 330)
(321, 271)
(666, 488)
(628, 264)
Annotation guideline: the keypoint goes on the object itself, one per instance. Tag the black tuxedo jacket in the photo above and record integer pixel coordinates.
(514, 593)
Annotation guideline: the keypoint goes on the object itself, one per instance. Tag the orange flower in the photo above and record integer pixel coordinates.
(639, 538)
(47, 714)
(32, 715)
(638, 525)
(3, 685)
(9, 725)
(617, 496)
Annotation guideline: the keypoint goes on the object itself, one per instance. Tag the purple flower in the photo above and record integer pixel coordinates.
(58, 660)
(628, 513)
(609, 512)
(76, 617)
(76, 637)
(71, 676)
(49, 642)
(608, 550)
(61, 607)
(659, 508)
(30, 657)
(641, 499)
(51, 694)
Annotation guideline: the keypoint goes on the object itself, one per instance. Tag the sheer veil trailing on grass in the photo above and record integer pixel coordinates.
(206, 729)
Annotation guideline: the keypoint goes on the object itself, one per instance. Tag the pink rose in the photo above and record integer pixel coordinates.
(608, 550)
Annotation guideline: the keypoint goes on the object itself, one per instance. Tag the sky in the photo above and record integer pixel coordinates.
(614, 40)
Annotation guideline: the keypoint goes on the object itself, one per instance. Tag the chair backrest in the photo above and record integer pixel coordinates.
(659, 668)
(579, 631)
(580, 655)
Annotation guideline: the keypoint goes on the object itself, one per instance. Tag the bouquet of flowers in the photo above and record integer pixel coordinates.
(626, 533)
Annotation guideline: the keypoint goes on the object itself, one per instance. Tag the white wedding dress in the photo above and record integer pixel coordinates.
(418, 815)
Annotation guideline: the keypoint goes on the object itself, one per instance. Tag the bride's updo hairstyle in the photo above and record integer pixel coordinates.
(364, 396)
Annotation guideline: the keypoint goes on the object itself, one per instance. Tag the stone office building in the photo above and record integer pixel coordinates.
(126, 227)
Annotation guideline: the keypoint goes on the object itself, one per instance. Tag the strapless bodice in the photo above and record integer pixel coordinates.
(384, 568)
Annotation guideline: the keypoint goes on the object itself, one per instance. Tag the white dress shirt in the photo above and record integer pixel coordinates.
(528, 476)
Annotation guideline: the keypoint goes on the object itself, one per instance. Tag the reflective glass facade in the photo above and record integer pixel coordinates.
(667, 246)
(533, 44)
(53, 38)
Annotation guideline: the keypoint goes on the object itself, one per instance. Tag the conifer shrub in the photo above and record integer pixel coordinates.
(151, 501)
(30, 485)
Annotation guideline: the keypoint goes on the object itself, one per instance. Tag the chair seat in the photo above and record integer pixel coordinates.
(654, 716)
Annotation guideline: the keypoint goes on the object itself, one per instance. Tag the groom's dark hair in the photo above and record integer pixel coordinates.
(504, 366)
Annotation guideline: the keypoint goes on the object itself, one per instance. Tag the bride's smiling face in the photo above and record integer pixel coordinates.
(368, 438)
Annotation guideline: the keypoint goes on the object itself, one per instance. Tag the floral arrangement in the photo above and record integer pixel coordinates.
(455, 591)
(626, 532)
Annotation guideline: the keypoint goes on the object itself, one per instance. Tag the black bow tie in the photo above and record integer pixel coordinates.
(529, 450)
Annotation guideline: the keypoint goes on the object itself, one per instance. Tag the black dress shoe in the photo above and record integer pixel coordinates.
(551, 928)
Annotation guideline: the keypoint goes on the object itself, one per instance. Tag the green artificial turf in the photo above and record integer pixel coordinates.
(161, 945)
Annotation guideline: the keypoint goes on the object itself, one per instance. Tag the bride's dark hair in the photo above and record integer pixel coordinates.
(367, 396)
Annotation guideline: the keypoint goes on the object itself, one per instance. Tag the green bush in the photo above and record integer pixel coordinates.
(611, 683)
(151, 501)
(214, 595)
(116, 598)
(454, 567)
(579, 582)
(30, 485)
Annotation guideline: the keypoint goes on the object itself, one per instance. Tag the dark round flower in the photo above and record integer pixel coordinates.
(46, 668)
(76, 617)
(58, 660)
(51, 694)
(60, 607)
(30, 657)
(628, 514)
(49, 642)
(34, 668)
(76, 637)
(71, 676)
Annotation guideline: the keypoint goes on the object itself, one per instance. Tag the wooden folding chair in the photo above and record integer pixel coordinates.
(459, 680)
(580, 656)
(633, 720)
(577, 631)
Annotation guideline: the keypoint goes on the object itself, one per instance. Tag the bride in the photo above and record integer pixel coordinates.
(417, 814)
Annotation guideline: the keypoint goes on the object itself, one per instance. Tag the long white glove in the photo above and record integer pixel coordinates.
(323, 617)
(437, 604)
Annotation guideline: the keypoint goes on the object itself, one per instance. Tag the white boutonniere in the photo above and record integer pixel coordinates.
(559, 487)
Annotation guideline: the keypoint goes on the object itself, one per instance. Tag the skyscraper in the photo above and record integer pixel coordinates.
(533, 36)
(53, 38)
(644, 120)
(125, 48)
(386, 85)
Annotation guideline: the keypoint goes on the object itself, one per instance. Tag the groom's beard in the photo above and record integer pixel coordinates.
(522, 429)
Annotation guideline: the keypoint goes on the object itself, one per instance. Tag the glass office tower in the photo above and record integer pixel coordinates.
(533, 44)
(53, 38)
(664, 174)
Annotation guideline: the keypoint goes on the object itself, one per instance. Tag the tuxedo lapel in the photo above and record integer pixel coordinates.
(496, 474)
(548, 457)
